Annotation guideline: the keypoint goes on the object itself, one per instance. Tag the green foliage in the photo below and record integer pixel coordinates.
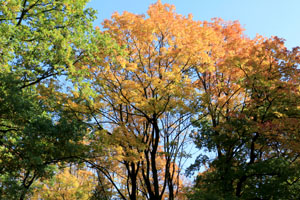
(40, 41)
(31, 139)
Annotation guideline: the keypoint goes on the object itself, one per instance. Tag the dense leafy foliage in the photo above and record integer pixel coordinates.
(31, 138)
(39, 42)
(252, 124)
(124, 104)
(69, 183)
(43, 38)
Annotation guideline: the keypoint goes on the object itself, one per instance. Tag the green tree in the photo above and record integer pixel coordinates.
(32, 139)
(41, 41)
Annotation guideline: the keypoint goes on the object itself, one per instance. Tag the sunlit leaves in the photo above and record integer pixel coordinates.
(68, 183)
(39, 42)
(251, 102)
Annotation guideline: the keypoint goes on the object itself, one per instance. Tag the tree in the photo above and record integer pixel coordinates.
(251, 101)
(142, 100)
(41, 41)
(31, 139)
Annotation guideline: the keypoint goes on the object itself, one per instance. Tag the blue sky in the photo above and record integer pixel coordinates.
(266, 17)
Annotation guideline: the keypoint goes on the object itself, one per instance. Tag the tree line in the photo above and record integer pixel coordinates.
(111, 114)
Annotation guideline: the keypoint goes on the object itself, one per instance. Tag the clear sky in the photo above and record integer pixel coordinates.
(266, 17)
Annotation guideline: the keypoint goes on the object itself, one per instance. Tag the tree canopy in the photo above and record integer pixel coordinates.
(126, 103)
(41, 41)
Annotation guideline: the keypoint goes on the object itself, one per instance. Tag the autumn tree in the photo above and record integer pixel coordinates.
(252, 124)
(142, 99)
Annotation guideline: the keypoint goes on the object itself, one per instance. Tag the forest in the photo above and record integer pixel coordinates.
(117, 112)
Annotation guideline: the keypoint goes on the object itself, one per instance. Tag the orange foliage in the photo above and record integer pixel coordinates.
(171, 68)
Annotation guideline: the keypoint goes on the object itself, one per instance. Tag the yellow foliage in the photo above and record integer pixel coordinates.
(66, 186)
